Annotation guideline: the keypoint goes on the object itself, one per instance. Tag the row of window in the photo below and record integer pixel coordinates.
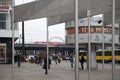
(2, 21)
(108, 53)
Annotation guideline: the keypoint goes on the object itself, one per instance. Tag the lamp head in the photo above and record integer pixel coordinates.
(99, 21)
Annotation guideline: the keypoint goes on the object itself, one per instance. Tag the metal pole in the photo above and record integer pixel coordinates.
(113, 41)
(103, 43)
(23, 40)
(13, 68)
(76, 41)
(47, 35)
(47, 48)
(89, 48)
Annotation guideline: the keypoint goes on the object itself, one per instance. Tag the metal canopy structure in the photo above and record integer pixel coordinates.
(108, 15)
(58, 11)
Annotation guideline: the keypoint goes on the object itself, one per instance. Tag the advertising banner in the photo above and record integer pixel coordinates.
(2, 53)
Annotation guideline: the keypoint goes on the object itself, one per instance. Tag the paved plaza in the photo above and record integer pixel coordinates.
(62, 71)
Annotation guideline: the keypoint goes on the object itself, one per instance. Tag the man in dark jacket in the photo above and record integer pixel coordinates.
(45, 64)
(82, 61)
(19, 59)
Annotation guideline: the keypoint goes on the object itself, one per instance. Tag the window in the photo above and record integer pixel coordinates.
(2, 21)
(2, 25)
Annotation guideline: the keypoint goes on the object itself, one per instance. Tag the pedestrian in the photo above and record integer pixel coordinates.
(59, 58)
(71, 60)
(38, 59)
(19, 59)
(82, 61)
(55, 58)
(45, 64)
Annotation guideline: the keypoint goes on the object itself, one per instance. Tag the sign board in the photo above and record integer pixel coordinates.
(93, 29)
(2, 53)
(5, 7)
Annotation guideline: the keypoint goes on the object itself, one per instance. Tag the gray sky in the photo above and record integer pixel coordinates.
(35, 30)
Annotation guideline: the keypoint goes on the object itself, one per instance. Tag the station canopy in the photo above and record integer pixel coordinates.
(59, 11)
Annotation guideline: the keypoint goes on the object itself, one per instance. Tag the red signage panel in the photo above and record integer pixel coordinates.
(4, 7)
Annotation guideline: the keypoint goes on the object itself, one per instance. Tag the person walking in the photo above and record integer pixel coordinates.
(82, 61)
(55, 58)
(71, 60)
(59, 58)
(38, 59)
(19, 59)
(45, 64)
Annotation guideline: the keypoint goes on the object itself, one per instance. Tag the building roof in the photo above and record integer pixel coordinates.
(58, 11)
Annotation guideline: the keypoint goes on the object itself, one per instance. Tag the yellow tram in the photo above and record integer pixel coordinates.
(107, 55)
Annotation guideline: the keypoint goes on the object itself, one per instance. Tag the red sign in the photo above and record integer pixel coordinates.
(50, 43)
(4, 7)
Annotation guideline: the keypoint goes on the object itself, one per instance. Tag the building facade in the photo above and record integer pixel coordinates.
(96, 36)
(6, 31)
(95, 32)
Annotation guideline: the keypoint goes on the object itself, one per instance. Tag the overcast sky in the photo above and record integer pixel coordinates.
(35, 30)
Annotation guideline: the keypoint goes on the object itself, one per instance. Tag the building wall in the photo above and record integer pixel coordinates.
(96, 32)
(96, 36)
(6, 31)
(5, 2)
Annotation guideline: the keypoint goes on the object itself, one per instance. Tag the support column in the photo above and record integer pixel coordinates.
(93, 57)
(76, 41)
(23, 40)
(13, 40)
(47, 55)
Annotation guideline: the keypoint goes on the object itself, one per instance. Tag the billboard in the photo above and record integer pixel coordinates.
(2, 53)
(93, 29)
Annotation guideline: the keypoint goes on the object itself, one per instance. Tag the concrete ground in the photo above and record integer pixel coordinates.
(62, 71)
